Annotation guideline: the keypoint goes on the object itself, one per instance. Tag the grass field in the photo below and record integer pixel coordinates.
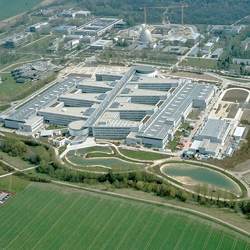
(15, 7)
(203, 63)
(101, 159)
(116, 164)
(49, 217)
(142, 155)
(22, 90)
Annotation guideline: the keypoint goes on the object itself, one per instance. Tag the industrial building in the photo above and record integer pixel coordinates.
(101, 44)
(211, 137)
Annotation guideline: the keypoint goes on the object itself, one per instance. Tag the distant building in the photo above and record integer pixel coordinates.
(227, 29)
(38, 27)
(74, 13)
(32, 71)
(71, 44)
(65, 29)
(97, 27)
(177, 50)
(16, 40)
(241, 61)
(246, 44)
(101, 44)
(217, 53)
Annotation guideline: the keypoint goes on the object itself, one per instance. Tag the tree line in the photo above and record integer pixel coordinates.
(198, 12)
(49, 167)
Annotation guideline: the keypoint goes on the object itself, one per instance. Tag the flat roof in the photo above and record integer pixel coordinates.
(239, 131)
(131, 90)
(130, 106)
(150, 80)
(88, 82)
(173, 108)
(44, 99)
(83, 96)
(67, 111)
(111, 119)
(214, 128)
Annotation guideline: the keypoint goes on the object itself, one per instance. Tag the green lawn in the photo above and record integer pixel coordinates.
(116, 164)
(142, 155)
(15, 7)
(203, 63)
(50, 217)
(99, 149)
(12, 91)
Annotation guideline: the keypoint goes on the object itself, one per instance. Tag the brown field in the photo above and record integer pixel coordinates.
(246, 115)
(235, 95)
(232, 110)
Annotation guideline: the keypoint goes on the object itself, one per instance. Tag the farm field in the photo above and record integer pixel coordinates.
(75, 219)
(13, 184)
(15, 7)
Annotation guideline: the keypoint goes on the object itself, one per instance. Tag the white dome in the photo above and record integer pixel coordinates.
(145, 35)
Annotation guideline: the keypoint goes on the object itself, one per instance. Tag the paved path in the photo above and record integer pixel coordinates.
(16, 170)
(28, 44)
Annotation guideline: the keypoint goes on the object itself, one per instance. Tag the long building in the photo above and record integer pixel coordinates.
(161, 126)
(25, 115)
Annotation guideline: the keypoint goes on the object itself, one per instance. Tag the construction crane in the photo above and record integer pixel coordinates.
(166, 8)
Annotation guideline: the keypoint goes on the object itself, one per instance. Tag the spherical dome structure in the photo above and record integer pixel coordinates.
(145, 35)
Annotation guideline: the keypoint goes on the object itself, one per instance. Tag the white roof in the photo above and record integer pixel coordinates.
(239, 131)
(45, 133)
(196, 144)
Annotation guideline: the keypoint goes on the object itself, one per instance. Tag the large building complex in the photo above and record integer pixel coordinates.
(138, 106)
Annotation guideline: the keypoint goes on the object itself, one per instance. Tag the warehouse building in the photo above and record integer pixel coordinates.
(210, 138)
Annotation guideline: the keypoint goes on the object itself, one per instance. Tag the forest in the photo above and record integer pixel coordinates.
(198, 12)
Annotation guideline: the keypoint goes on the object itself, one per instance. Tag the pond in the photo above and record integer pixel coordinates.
(189, 174)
